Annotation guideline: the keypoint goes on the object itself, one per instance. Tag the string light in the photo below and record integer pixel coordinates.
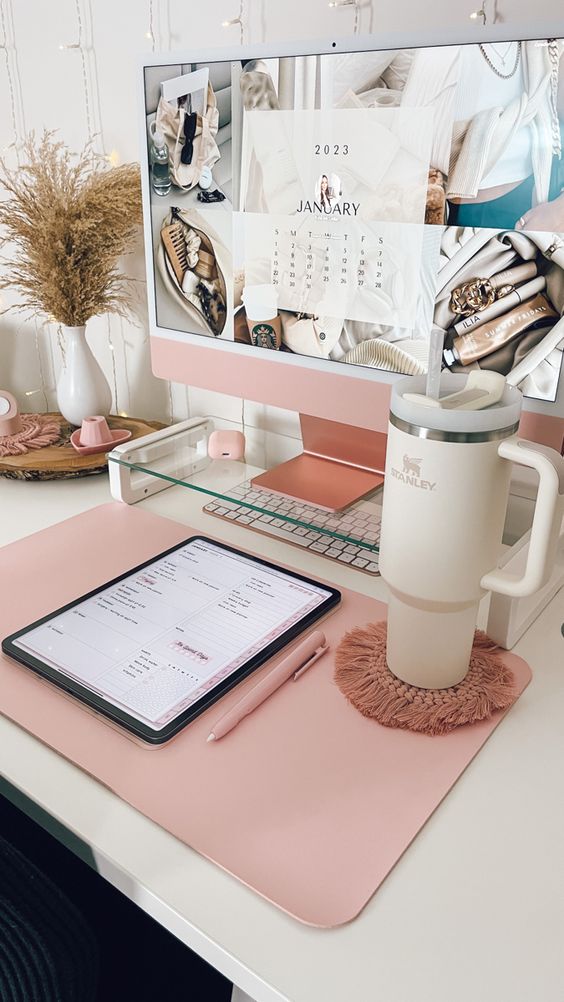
(480, 13)
(82, 49)
(240, 19)
(349, 3)
(113, 158)
(40, 363)
(11, 83)
(150, 33)
(111, 346)
(125, 370)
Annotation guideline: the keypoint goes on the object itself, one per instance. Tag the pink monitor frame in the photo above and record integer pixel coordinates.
(347, 399)
(350, 395)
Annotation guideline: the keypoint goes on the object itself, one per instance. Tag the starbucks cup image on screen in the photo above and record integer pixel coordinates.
(261, 308)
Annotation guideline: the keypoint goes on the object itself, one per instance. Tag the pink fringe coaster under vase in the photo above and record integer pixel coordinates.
(363, 676)
(37, 432)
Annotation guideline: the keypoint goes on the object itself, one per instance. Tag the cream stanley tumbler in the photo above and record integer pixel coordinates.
(445, 496)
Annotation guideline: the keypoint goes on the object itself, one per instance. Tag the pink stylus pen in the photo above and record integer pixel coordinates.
(296, 663)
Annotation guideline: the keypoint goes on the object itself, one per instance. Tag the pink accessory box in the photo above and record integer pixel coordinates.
(94, 435)
(226, 445)
(306, 801)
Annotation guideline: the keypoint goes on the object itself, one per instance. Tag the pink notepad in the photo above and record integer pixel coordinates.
(307, 802)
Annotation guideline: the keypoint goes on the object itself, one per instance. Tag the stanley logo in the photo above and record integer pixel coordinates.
(411, 474)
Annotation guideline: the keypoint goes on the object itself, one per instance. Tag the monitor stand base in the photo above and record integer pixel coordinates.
(340, 464)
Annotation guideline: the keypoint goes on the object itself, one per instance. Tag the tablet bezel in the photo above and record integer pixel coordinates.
(130, 723)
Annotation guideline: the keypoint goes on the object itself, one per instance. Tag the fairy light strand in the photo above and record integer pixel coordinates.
(11, 87)
(19, 87)
(112, 348)
(40, 364)
(84, 67)
(125, 371)
(349, 3)
(240, 19)
(96, 86)
(151, 32)
(482, 12)
(61, 343)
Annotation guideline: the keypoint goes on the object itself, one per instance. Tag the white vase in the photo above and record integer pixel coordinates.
(82, 388)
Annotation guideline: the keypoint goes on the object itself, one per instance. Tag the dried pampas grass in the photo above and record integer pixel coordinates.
(64, 225)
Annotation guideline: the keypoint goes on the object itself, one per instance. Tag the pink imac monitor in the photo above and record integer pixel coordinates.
(327, 205)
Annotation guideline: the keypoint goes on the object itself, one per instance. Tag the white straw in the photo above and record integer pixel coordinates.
(436, 343)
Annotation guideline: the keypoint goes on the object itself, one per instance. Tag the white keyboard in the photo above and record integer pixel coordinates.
(361, 521)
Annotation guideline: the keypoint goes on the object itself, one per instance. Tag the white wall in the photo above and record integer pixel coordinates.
(94, 90)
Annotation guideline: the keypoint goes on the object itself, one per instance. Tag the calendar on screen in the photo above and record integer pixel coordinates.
(333, 208)
(364, 271)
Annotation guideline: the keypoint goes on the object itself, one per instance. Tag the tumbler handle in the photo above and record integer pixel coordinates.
(547, 519)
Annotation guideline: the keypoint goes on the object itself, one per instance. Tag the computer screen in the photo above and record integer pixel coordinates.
(331, 209)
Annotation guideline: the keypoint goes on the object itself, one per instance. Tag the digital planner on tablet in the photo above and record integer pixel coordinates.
(155, 647)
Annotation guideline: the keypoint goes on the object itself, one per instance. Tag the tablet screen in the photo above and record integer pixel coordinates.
(160, 639)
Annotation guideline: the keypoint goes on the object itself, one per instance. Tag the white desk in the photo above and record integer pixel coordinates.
(473, 911)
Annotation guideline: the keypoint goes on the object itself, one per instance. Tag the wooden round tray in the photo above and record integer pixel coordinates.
(61, 461)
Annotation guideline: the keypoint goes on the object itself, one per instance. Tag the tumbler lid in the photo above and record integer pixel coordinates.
(470, 425)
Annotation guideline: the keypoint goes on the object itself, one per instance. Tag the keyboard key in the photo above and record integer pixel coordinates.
(361, 522)
(288, 536)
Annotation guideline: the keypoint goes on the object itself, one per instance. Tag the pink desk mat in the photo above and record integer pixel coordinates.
(306, 802)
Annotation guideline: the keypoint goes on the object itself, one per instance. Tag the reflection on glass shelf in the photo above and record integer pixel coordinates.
(181, 458)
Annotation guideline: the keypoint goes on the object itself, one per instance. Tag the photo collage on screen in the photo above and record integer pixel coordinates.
(342, 206)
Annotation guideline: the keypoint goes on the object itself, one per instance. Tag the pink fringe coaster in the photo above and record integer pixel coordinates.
(37, 432)
(362, 675)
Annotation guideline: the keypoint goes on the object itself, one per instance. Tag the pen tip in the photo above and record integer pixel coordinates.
(211, 737)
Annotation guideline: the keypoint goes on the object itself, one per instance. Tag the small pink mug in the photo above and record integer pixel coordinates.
(95, 431)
